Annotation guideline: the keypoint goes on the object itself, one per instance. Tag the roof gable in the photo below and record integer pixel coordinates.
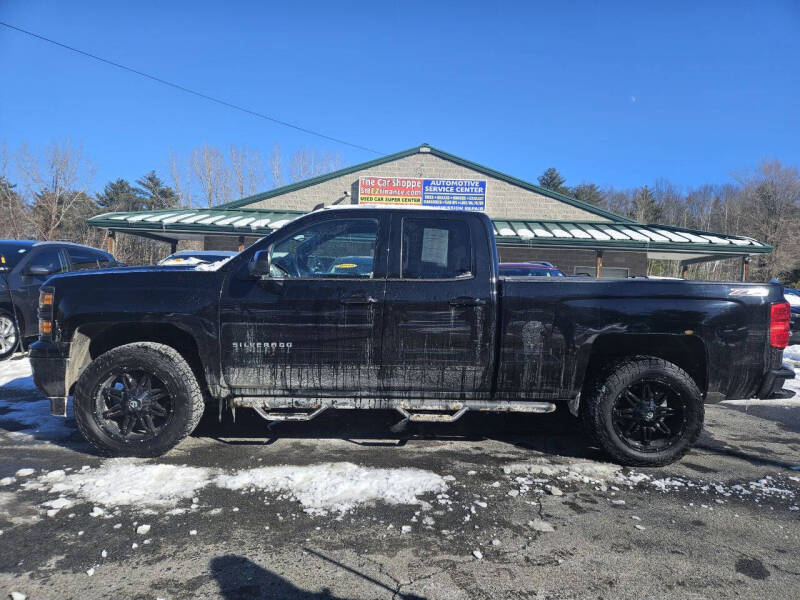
(424, 148)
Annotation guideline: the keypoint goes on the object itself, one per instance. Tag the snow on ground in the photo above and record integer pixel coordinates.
(15, 373)
(25, 408)
(535, 477)
(338, 486)
(323, 488)
(128, 482)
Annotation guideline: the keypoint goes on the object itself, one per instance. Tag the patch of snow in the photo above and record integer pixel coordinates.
(142, 529)
(7, 480)
(405, 529)
(25, 472)
(15, 373)
(131, 482)
(59, 503)
(477, 554)
(90, 572)
(193, 532)
(338, 486)
(541, 526)
(18, 596)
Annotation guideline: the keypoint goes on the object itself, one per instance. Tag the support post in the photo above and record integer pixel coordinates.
(598, 263)
(241, 243)
(684, 270)
(745, 268)
(111, 242)
(173, 246)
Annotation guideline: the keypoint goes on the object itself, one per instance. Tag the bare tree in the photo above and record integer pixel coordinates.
(276, 167)
(181, 175)
(213, 175)
(55, 183)
(305, 164)
(247, 167)
(771, 199)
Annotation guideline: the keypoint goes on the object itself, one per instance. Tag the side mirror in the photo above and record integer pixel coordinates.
(37, 271)
(259, 266)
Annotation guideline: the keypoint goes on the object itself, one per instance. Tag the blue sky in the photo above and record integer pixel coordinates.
(618, 93)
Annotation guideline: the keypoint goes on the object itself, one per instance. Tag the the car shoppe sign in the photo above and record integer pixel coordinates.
(455, 194)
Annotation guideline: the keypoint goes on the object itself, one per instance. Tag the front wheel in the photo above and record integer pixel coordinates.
(647, 412)
(137, 400)
(9, 335)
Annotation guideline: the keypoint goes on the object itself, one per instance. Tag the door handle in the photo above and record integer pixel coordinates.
(467, 301)
(359, 300)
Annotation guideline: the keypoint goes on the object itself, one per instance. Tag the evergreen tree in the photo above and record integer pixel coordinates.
(552, 180)
(120, 196)
(154, 193)
(646, 208)
(588, 193)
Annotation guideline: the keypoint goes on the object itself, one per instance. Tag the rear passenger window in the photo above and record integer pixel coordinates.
(436, 249)
(82, 260)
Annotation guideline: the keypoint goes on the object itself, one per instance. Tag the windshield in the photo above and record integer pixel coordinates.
(13, 252)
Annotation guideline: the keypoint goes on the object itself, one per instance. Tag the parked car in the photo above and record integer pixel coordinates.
(428, 329)
(792, 296)
(27, 265)
(186, 258)
(529, 269)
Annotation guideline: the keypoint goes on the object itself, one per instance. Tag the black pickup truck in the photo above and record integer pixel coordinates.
(400, 309)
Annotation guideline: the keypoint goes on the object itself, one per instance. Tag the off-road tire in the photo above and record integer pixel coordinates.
(170, 367)
(597, 405)
(10, 352)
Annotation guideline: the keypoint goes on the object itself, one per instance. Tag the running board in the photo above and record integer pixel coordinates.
(268, 404)
(432, 417)
(272, 415)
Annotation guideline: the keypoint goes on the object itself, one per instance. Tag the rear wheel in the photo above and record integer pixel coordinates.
(646, 412)
(9, 335)
(137, 400)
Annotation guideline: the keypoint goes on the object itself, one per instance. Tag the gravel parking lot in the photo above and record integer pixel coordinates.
(488, 507)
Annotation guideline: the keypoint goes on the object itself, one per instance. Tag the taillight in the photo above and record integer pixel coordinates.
(780, 315)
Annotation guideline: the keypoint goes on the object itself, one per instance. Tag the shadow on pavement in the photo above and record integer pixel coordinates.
(239, 578)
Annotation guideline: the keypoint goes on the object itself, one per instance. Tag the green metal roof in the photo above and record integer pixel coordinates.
(172, 224)
(426, 149)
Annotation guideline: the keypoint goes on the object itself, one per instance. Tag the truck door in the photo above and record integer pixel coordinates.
(313, 327)
(42, 263)
(440, 308)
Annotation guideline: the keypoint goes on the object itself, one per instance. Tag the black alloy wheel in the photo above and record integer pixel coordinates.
(649, 415)
(134, 405)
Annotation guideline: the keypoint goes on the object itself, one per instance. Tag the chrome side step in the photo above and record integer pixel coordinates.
(273, 415)
(432, 417)
(278, 409)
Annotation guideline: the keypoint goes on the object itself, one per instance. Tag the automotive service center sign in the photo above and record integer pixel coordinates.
(455, 194)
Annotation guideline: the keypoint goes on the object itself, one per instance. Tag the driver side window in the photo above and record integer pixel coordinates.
(49, 259)
(338, 248)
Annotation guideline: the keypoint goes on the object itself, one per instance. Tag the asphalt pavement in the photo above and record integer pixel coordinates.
(516, 507)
